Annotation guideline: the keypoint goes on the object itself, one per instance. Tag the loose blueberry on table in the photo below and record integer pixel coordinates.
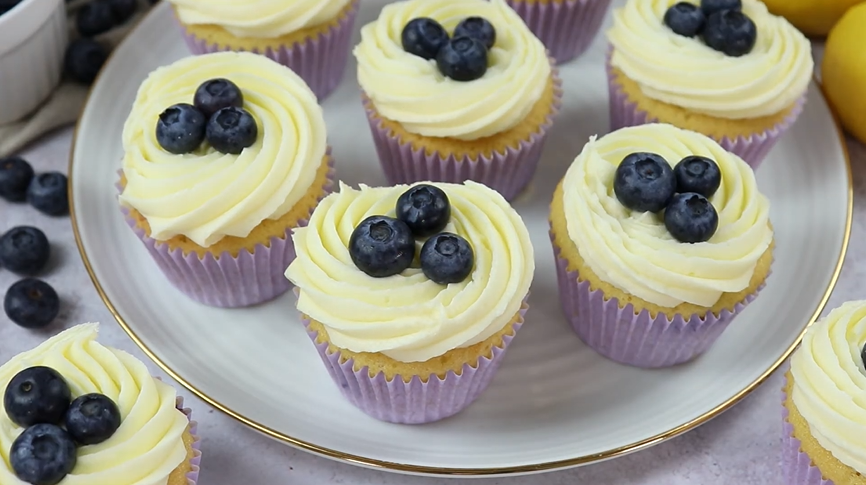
(462, 57)
(38, 399)
(447, 258)
(95, 18)
(382, 246)
(31, 303)
(47, 193)
(721, 24)
(644, 182)
(15, 176)
(83, 60)
(425, 209)
(7, 5)
(691, 218)
(24, 250)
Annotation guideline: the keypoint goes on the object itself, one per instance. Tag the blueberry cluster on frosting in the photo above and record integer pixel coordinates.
(382, 246)
(461, 57)
(645, 182)
(39, 400)
(721, 24)
(216, 115)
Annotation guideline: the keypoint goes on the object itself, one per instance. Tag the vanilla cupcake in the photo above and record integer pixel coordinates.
(214, 195)
(567, 27)
(661, 238)
(823, 410)
(739, 76)
(99, 416)
(312, 37)
(413, 293)
(457, 90)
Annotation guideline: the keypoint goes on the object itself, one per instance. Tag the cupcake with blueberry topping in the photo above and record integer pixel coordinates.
(726, 68)
(412, 294)
(822, 409)
(225, 154)
(661, 238)
(457, 90)
(76, 412)
(567, 27)
(311, 37)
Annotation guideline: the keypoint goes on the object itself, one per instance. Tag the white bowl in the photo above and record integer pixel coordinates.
(33, 38)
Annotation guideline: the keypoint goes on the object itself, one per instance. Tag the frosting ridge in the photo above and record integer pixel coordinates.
(408, 317)
(685, 72)
(146, 448)
(207, 195)
(411, 91)
(634, 251)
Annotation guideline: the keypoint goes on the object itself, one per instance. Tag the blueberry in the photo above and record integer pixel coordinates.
(180, 128)
(84, 58)
(31, 303)
(122, 9)
(699, 175)
(95, 18)
(644, 182)
(685, 19)
(7, 5)
(477, 28)
(382, 246)
(231, 129)
(424, 37)
(863, 355)
(217, 94)
(37, 395)
(92, 419)
(730, 32)
(43, 455)
(713, 6)
(15, 176)
(425, 209)
(48, 193)
(463, 59)
(24, 250)
(691, 218)
(447, 258)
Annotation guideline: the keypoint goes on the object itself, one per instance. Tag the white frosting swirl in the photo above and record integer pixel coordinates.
(261, 19)
(408, 317)
(146, 448)
(634, 251)
(829, 388)
(207, 195)
(686, 72)
(413, 92)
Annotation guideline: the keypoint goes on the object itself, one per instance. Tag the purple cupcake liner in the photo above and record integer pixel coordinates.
(228, 282)
(507, 172)
(320, 62)
(195, 462)
(566, 28)
(797, 467)
(413, 402)
(637, 340)
(753, 149)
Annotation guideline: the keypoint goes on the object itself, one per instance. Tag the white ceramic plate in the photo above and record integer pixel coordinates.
(555, 403)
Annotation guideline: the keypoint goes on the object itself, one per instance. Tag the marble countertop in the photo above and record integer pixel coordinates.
(741, 446)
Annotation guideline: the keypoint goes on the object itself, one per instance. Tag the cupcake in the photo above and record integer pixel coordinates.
(412, 294)
(739, 76)
(567, 27)
(661, 238)
(75, 412)
(457, 90)
(311, 37)
(225, 154)
(823, 410)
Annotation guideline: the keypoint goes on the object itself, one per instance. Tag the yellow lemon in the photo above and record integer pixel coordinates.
(812, 17)
(843, 72)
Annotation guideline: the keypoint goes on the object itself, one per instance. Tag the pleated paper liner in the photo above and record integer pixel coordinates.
(797, 467)
(567, 28)
(195, 462)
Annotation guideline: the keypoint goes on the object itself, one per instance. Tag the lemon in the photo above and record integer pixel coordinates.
(812, 17)
(843, 71)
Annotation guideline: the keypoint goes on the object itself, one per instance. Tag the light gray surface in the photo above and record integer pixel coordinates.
(741, 446)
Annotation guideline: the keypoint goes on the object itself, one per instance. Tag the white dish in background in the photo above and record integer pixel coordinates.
(555, 403)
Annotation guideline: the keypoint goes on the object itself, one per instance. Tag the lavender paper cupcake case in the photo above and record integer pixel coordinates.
(195, 462)
(506, 172)
(566, 28)
(228, 282)
(637, 340)
(413, 402)
(753, 149)
(797, 467)
(320, 62)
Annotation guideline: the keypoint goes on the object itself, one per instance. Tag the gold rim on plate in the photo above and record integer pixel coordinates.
(432, 470)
